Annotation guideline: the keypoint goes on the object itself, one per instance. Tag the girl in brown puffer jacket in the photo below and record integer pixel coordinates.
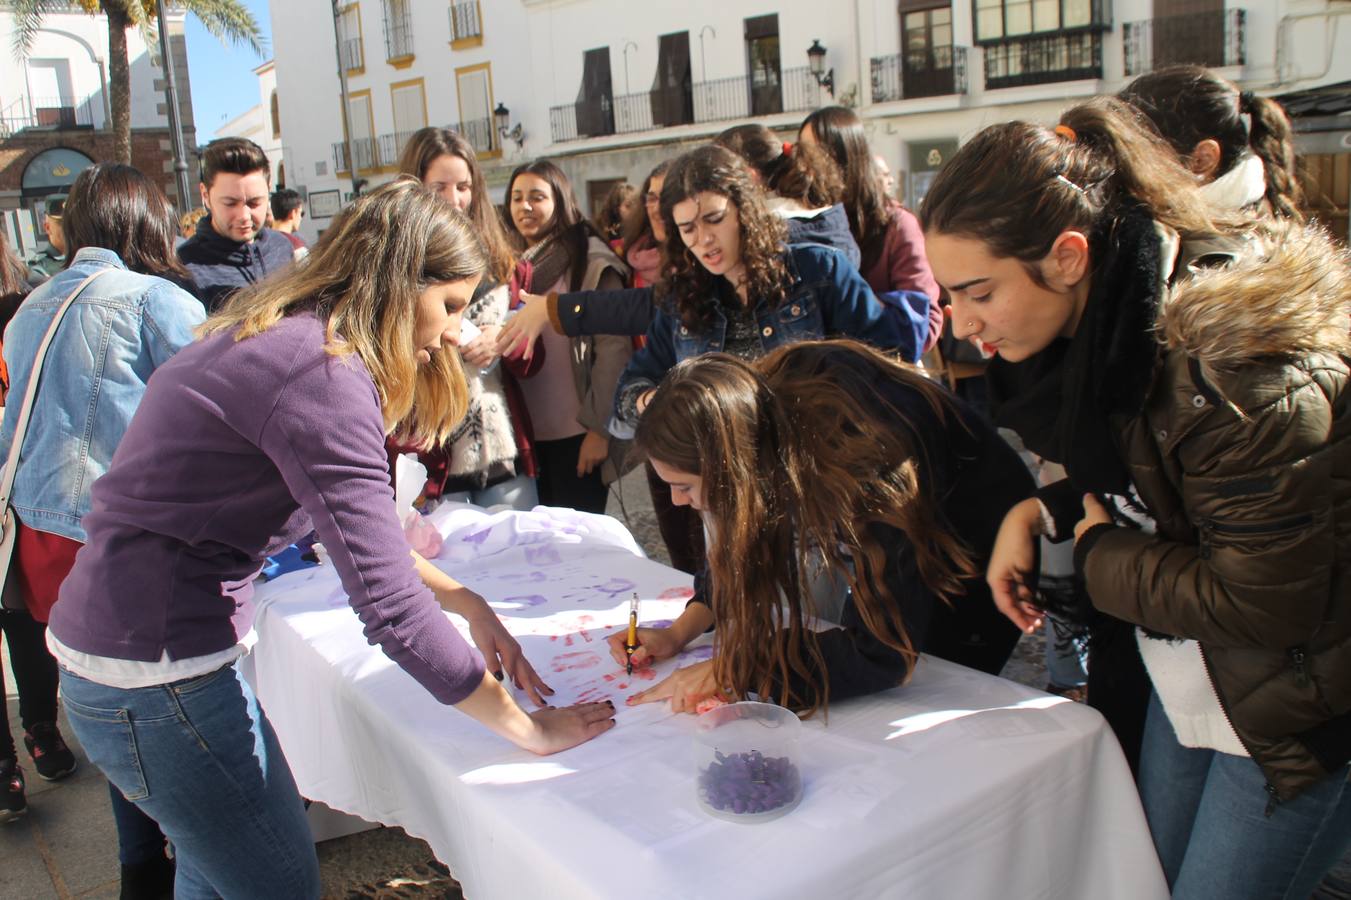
(1191, 372)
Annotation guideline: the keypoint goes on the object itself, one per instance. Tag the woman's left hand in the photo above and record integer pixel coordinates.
(595, 449)
(503, 657)
(1094, 514)
(684, 688)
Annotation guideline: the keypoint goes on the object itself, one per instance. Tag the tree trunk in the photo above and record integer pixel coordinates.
(119, 77)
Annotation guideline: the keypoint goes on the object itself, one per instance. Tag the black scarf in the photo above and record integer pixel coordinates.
(1059, 401)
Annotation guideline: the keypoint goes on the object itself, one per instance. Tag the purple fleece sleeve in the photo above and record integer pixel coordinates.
(326, 437)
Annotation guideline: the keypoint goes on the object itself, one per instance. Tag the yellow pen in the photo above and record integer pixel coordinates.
(631, 644)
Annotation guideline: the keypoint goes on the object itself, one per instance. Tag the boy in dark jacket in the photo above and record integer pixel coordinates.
(231, 248)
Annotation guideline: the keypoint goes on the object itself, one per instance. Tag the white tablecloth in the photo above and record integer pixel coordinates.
(959, 785)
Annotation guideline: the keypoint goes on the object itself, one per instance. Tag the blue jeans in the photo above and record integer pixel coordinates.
(199, 757)
(1206, 812)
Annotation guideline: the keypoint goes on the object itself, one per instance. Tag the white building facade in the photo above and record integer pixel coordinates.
(607, 89)
(261, 123)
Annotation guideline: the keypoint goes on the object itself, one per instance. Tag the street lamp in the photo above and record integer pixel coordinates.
(502, 118)
(816, 62)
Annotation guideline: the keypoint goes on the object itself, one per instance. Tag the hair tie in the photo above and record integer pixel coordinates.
(787, 149)
(1245, 101)
(1067, 133)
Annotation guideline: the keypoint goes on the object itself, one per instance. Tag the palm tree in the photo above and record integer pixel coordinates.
(226, 19)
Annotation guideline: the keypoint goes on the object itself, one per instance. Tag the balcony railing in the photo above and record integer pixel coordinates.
(1214, 39)
(480, 133)
(1043, 59)
(719, 100)
(464, 20)
(366, 150)
(398, 30)
(932, 73)
(384, 151)
(49, 113)
(352, 53)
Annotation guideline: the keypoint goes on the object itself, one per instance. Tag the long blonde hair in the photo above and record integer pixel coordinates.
(363, 280)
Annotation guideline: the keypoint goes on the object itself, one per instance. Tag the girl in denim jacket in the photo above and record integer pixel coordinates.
(734, 286)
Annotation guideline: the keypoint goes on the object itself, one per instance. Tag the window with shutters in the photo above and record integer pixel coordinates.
(673, 88)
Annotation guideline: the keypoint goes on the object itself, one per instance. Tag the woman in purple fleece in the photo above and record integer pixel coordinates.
(272, 425)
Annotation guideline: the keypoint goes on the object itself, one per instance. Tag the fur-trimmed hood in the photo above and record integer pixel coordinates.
(1287, 292)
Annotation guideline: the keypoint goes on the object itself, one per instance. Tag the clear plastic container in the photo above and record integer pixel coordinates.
(746, 760)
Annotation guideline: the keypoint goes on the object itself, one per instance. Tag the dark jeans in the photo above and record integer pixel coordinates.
(139, 839)
(34, 670)
(680, 526)
(558, 482)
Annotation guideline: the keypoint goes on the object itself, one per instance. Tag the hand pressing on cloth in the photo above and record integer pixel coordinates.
(688, 689)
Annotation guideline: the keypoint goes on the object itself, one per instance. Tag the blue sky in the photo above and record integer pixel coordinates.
(223, 83)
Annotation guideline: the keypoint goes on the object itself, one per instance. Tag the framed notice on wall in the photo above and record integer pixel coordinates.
(325, 204)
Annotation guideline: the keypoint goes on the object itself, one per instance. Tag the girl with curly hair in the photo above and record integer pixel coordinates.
(734, 285)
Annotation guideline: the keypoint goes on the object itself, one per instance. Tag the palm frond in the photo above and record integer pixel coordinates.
(229, 20)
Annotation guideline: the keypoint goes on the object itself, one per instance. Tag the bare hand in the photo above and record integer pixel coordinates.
(482, 350)
(684, 688)
(559, 729)
(525, 326)
(1012, 561)
(502, 656)
(654, 644)
(595, 450)
(1094, 514)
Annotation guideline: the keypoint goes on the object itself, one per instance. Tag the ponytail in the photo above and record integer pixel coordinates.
(1272, 141)
(802, 173)
(1016, 186)
(1188, 104)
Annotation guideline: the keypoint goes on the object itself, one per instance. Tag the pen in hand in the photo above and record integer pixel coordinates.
(631, 643)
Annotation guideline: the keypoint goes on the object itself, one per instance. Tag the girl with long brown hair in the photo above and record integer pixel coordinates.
(888, 234)
(802, 184)
(285, 402)
(488, 459)
(1191, 369)
(829, 445)
(569, 397)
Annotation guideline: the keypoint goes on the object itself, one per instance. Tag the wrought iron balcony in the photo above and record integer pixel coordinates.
(53, 113)
(398, 30)
(931, 73)
(1043, 59)
(366, 151)
(721, 99)
(1214, 39)
(352, 53)
(465, 21)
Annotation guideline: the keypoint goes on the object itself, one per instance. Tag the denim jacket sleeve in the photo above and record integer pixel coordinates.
(848, 306)
(170, 317)
(645, 370)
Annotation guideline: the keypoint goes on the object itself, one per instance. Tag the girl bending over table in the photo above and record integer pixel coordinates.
(827, 455)
(271, 425)
(1191, 368)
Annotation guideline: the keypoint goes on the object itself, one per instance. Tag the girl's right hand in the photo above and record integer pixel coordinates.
(525, 325)
(1012, 561)
(559, 729)
(654, 644)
